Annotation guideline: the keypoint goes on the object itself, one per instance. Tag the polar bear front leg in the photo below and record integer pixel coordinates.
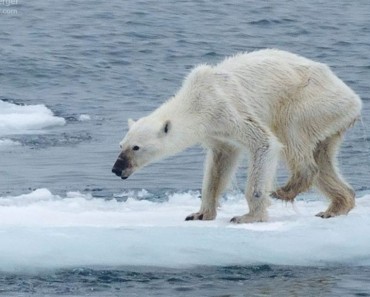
(264, 154)
(220, 165)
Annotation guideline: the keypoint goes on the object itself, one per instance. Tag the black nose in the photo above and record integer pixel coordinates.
(120, 165)
(117, 171)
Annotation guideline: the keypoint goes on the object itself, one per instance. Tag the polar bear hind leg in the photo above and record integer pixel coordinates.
(329, 181)
(303, 170)
(326, 107)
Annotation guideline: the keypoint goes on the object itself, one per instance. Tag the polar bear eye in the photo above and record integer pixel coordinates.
(167, 126)
(135, 148)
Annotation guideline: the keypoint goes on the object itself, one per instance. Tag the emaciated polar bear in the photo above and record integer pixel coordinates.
(269, 103)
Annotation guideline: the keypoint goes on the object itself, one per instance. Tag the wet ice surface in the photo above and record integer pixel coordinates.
(139, 244)
(50, 231)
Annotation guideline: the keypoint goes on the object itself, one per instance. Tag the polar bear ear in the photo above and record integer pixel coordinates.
(130, 123)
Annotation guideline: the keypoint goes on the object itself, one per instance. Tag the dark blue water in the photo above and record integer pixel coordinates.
(118, 59)
(200, 281)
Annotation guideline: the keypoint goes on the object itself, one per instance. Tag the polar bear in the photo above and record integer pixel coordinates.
(269, 104)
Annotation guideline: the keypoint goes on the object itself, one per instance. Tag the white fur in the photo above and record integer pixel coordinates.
(264, 103)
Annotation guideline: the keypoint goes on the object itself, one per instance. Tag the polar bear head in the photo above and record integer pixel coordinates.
(146, 141)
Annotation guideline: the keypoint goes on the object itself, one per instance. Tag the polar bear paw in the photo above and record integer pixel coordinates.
(249, 218)
(335, 210)
(201, 216)
(325, 214)
(332, 213)
(281, 194)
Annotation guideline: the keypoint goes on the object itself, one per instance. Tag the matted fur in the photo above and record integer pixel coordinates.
(268, 103)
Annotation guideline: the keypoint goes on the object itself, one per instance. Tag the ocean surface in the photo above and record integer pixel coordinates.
(73, 72)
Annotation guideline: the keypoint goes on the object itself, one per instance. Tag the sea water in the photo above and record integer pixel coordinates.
(72, 73)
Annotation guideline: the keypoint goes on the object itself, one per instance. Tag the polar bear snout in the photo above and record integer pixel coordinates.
(122, 167)
(117, 168)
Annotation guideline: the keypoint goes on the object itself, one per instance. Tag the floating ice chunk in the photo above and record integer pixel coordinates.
(21, 119)
(84, 117)
(43, 230)
(6, 143)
